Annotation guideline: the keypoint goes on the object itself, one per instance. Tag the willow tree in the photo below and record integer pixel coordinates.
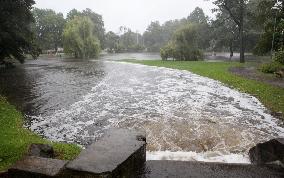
(79, 38)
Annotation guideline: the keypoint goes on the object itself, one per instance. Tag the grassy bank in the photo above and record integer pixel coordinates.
(272, 97)
(15, 140)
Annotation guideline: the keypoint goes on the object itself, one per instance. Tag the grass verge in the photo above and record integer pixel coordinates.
(272, 97)
(15, 140)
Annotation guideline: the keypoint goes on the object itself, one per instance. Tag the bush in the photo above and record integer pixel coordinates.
(168, 51)
(184, 45)
(271, 67)
(279, 56)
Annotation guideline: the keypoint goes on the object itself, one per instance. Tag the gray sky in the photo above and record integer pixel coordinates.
(135, 14)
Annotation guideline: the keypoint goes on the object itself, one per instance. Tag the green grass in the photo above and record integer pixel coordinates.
(15, 140)
(272, 97)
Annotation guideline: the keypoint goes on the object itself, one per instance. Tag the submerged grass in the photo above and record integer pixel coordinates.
(15, 140)
(272, 97)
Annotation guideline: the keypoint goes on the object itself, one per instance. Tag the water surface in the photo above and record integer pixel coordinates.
(193, 116)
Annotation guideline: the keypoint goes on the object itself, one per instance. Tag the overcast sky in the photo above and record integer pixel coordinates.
(135, 14)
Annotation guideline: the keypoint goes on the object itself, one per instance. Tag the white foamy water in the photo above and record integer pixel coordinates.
(185, 116)
(203, 156)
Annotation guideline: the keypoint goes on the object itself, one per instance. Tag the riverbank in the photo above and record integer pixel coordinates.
(15, 140)
(271, 96)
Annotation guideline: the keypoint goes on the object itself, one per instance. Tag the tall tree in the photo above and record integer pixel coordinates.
(153, 37)
(48, 28)
(199, 18)
(269, 15)
(97, 20)
(130, 41)
(225, 32)
(16, 37)
(112, 41)
(158, 35)
(79, 38)
(236, 10)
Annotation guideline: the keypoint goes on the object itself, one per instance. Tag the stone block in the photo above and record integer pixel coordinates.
(36, 167)
(267, 152)
(120, 153)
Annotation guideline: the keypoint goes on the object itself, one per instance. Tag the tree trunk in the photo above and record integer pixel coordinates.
(241, 28)
(231, 50)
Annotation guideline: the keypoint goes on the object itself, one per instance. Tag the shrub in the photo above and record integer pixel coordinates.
(279, 56)
(168, 51)
(271, 67)
(184, 45)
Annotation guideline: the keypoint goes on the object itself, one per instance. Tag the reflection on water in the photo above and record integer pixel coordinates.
(77, 101)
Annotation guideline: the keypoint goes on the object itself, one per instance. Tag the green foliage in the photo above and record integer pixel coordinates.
(263, 45)
(272, 97)
(198, 16)
(270, 19)
(79, 38)
(184, 45)
(279, 56)
(98, 30)
(48, 27)
(157, 35)
(168, 51)
(15, 139)
(271, 67)
(275, 66)
(236, 11)
(111, 41)
(16, 37)
(129, 41)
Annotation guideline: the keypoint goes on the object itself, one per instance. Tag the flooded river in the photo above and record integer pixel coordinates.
(185, 116)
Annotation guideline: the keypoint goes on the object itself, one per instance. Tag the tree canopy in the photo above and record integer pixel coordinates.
(16, 36)
(269, 15)
(236, 9)
(48, 27)
(184, 45)
(99, 30)
(157, 35)
(79, 38)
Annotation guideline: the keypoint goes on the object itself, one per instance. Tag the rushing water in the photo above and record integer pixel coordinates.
(185, 116)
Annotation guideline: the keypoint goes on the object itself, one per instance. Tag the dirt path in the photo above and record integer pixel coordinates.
(252, 73)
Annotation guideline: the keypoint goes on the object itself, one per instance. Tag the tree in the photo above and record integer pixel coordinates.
(270, 17)
(48, 28)
(72, 14)
(79, 38)
(111, 41)
(97, 20)
(153, 38)
(225, 32)
(99, 29)
(198, 16)
(184, 45)
(16, 37)
(236, 10)
(157, 35)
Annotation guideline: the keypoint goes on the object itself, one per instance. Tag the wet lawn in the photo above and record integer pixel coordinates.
(15, 140)
(271, 96)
